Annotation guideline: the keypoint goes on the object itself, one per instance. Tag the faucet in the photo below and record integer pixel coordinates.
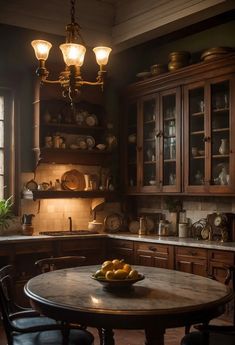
(70, 224)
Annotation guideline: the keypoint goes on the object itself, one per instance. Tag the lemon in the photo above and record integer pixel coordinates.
(107, 266)
(127, 268)
(120, 274)
(133, 274)
(109, 275)
(117, 264)
(99, 274)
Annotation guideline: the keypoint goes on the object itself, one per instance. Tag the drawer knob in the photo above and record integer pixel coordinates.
(153, 249)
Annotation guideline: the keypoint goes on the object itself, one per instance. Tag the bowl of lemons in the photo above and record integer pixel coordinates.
(117, 274)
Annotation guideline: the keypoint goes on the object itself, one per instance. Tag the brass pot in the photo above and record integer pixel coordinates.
(157, 69)
(178, 60)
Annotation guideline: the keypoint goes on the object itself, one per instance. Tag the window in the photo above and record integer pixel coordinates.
(8, 154)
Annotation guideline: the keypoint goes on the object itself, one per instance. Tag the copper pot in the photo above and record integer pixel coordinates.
(178, 60)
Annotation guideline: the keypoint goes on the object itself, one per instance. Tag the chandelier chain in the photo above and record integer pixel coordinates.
(72, 11)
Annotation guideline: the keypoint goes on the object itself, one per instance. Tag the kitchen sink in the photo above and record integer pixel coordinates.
(68, 233)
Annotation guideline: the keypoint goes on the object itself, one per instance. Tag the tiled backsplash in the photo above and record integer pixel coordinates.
(195, 207)
(52, 214)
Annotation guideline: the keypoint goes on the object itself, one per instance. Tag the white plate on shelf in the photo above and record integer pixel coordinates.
(90, 142)
(91, 120)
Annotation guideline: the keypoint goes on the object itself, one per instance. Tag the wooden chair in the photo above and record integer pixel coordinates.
(214, 334)
(56, 263)
(25, 326)
(229, 279)
(51, 264)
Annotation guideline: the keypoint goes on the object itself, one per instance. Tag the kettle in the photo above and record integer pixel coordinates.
(27, 218)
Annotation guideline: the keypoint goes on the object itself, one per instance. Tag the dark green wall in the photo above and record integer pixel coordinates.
(17, 63)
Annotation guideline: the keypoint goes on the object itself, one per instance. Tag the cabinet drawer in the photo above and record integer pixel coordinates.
(152, 247)
(221, 256)
(121, 244)
(80, 244)
(38, 247)
(192, 252)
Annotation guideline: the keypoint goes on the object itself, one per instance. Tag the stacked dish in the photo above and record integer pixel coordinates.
(216, 52)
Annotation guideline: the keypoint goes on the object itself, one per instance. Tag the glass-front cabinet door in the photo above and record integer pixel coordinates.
(170, 141)
(149, 126)
(208, 140)
(131, 147)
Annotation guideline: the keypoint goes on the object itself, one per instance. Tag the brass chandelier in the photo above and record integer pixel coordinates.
(73, 54)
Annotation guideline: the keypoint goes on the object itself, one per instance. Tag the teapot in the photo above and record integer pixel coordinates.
(27, 218)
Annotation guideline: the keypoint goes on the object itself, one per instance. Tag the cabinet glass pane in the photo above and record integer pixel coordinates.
(169, 143)
(131, 144)
(220, 134)
(196, 137)
(149, 141)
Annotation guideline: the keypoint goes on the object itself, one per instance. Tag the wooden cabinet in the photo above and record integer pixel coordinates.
(152, 144)
(209, 136)
(23, 255)
(92, 249)
(121, 249)
(180, 131)
(155, 255)
(191, 260)
(218, 262)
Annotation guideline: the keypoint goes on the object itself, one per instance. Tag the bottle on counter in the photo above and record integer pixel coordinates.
(142, 228)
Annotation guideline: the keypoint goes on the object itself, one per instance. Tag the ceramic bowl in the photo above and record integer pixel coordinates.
(118, 283)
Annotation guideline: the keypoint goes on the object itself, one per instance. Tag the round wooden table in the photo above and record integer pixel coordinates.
(164, 299)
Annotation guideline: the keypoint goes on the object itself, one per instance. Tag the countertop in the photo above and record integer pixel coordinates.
(187, 242)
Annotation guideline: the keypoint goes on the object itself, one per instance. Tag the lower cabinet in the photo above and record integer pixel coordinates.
(218, 261)
(191, 260)
(92, 248)
(154, 255)
(120, 249)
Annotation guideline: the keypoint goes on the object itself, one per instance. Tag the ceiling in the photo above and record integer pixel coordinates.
(119, 23)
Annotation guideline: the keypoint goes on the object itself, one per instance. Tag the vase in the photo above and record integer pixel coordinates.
(224, 148)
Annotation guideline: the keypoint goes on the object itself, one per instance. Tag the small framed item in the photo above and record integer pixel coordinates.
(113, 223)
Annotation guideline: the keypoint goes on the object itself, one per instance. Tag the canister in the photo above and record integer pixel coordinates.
(183, 230)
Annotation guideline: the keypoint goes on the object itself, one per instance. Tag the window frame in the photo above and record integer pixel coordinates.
(11, 144)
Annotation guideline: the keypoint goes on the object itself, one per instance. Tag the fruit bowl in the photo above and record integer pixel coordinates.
(118, 283)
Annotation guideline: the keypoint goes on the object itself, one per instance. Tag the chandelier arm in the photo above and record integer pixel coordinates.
(84, 82)
(46, 81)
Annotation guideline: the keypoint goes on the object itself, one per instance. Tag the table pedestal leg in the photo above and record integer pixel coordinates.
(154, 336)
(106, 336)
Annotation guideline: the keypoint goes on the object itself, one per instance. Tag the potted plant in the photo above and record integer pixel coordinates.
(6, 214)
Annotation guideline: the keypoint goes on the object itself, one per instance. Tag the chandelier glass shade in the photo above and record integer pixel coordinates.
(73, 54)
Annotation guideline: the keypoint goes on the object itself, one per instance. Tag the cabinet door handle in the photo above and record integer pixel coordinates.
(158, 134)
(153, 249)
(206, 139)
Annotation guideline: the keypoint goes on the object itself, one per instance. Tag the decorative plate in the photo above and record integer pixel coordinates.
(91, 120)
(134, 226)
(73, 180)
(143, 75)
(118, 283)
(31, 185)
(90, 142)
(113, 222)
(81, 141)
